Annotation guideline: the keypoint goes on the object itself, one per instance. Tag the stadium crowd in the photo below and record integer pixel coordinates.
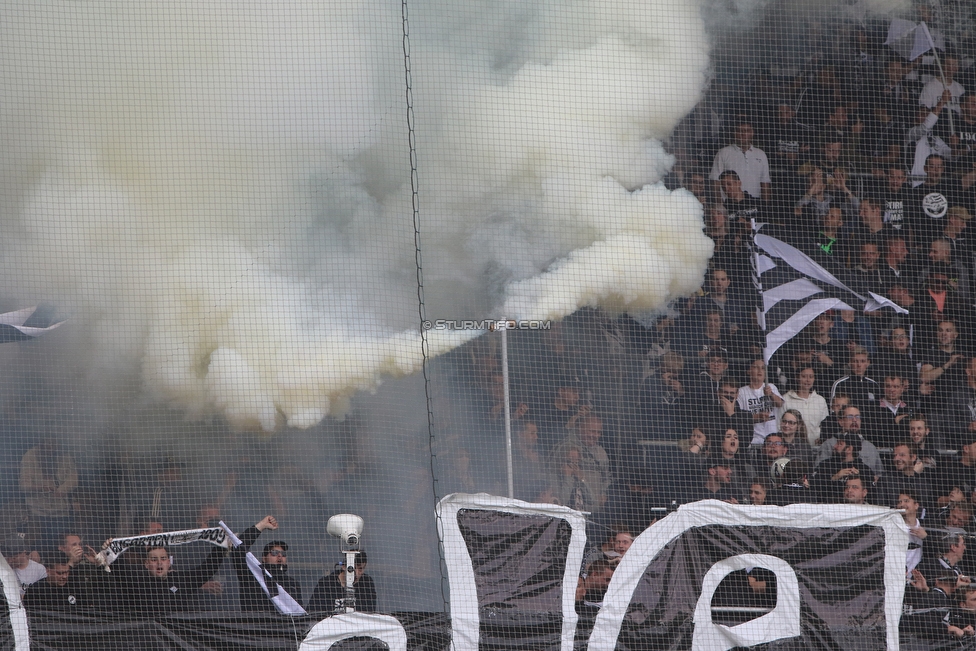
(865, 162)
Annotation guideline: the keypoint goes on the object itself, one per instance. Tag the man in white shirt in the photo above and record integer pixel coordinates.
(15, 552)
(932, 91)
(761, 400)
(749, 162)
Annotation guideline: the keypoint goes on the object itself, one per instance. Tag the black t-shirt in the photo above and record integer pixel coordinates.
(927, 209)
(330, 595)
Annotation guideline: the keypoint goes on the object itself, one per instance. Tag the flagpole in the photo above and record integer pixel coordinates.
(508, 416)
(938, 63)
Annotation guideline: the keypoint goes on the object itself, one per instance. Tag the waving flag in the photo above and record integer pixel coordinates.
(24, 324)
(283, 602)
(795, 290)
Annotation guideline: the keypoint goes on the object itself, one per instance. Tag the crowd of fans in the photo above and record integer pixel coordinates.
(159, 580)
(867, 165)
(865, 162)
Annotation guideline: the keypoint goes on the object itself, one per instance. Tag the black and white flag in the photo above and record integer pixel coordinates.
(26, 323)
(283, 602)
(795, 289)
(114, 548)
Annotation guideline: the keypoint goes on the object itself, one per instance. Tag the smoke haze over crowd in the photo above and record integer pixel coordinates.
(219, 195)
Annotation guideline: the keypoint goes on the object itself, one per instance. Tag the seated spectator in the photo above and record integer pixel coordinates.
(714, 483)
(54, 593)
(926, 444)
(795, 488)
(731, 452)
(742, 208)
(158, 589)
(759, 490)
(902, 475)
(592, 587)
(87, 580)
(828, 353)
(959, 473)
(761, 400)
(580, 467)
(28, 571)
(958, 515)
(929, 202)
(623, 538)
(850, 424)
(764, 459)
(951, 553)
(908, 502)
(954, 232)
(897, 359)
(824, 244)
(329, 595)
(794, 433)
(961, 621)
(943, 262)
(708, 335)
(810, 405)
(891, 415)
(720, 297)
(274, 561)
(855, 490)
(830, 475)
(703, 389)
(961, 415)
(894, 269)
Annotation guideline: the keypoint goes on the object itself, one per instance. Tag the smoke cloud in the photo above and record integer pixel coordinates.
(219, 193)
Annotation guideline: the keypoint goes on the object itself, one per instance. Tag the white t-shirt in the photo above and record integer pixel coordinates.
(755, 401)
(33, 573)
(751, 165)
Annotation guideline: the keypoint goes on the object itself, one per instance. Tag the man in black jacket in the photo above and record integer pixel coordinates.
(55, 593)
(330, 593)
(274, 561)
(158, 589)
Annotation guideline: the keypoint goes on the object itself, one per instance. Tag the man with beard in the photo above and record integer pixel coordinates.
(274, 560)
(850, 423)
(831, 475)
(902, 475)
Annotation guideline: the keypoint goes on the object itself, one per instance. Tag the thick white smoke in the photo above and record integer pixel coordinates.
(219, 193)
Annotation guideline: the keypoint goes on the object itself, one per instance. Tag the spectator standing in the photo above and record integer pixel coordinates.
(274, 561)
(749, 163)
(808, 403)
(761, 400)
